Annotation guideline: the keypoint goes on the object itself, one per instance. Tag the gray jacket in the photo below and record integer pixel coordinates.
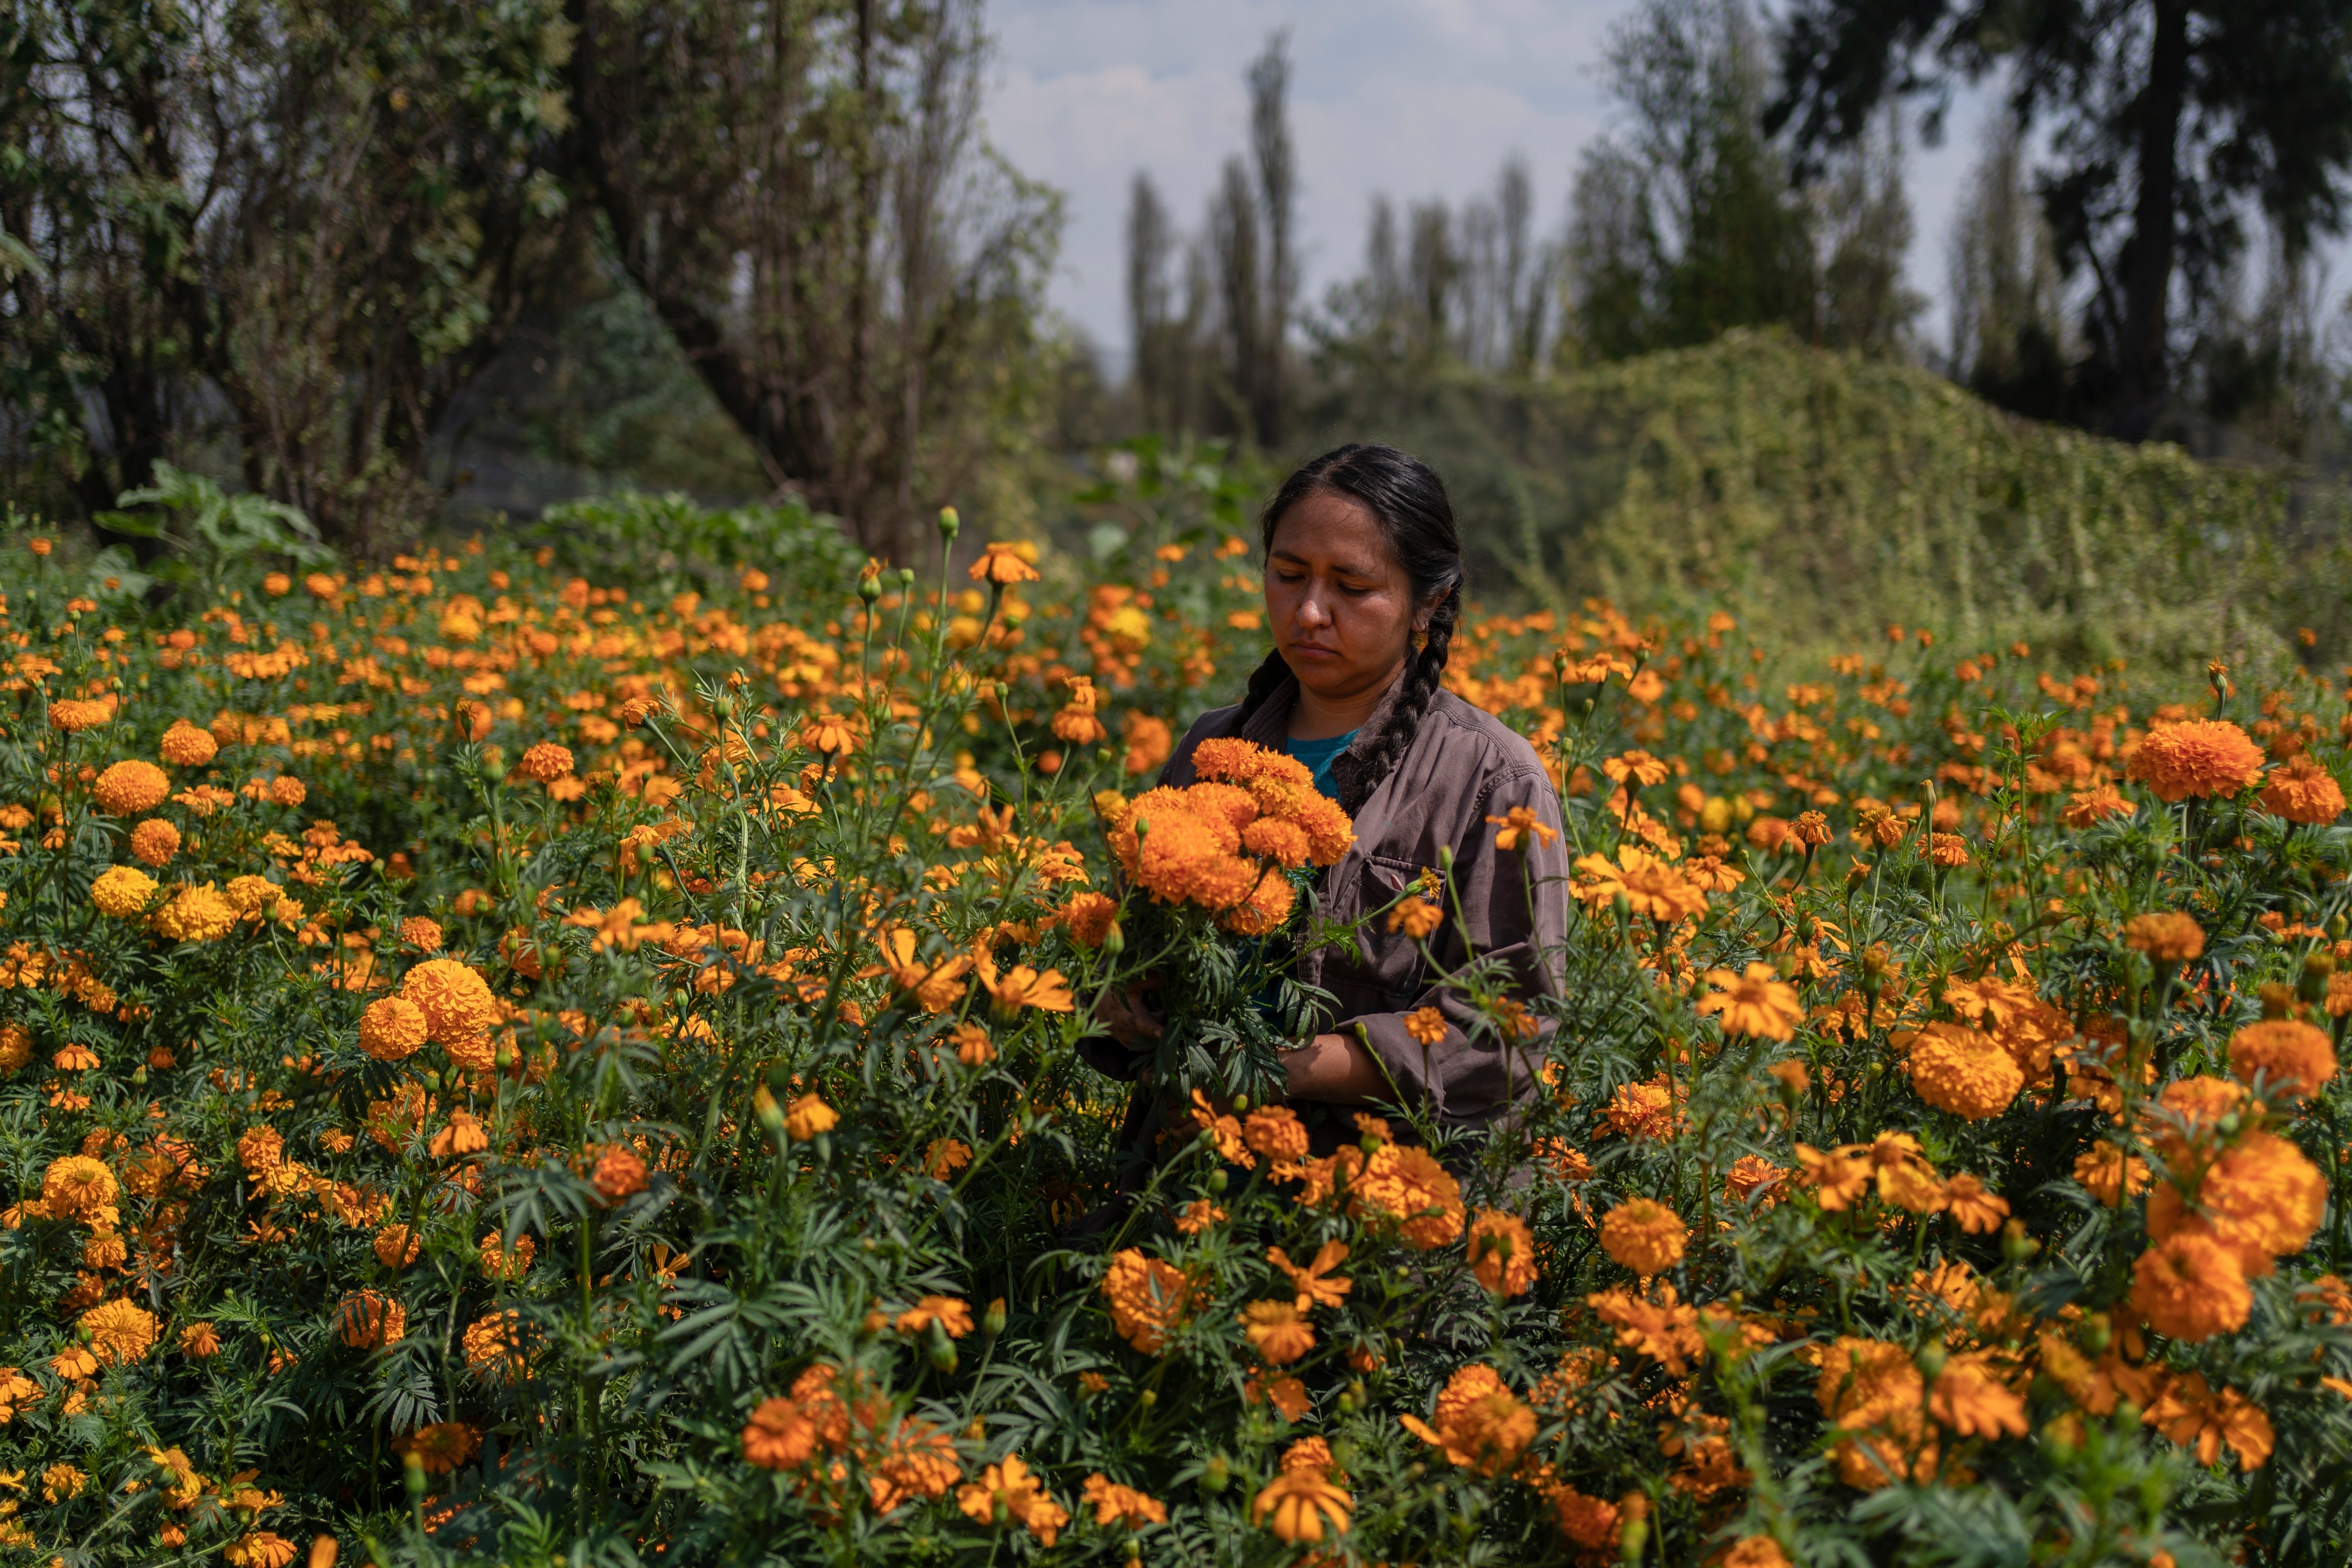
(1462, 767)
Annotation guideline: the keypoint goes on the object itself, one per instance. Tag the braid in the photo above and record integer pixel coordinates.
(1270, 673)
(1421, 675)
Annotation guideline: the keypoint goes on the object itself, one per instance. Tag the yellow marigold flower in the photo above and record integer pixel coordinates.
(1480, 1424)
(2295, 1056)
(154, 841)
(808, 1116)
(2166, 937)
(392, 1029)
(1024, 1497)
(129, 787)
(121, 891)
(1280, 1333)
(1758, 1002)
(196, 915)
(456, 1000)
(1116, 1504)
(1147, 1298)
(2199, 758)
(78, 1188)
(1965, 1072)
(546, 761)
(2303, 791)
(186, 746)
(120, 1332)
(1645, 1236)
(1502, 1253)
(2189, 1288)
(1300, 1505)
(494, 1345)
(367, 1320)
(59, 1482)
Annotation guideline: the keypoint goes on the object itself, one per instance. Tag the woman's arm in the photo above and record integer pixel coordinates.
(1336, 1070)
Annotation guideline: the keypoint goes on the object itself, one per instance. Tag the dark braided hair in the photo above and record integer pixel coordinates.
(1407, 499)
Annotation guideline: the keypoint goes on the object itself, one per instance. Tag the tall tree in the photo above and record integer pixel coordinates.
(800, 188)
(1278, 192)
(2168, 116)
(294, 230)
(2008, 340)
(1687, 224)
(1863, 232)
(1150, 252)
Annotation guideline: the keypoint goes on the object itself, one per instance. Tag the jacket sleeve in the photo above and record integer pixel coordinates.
(1513, 907)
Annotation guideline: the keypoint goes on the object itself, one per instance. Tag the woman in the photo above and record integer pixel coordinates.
(1363, 590)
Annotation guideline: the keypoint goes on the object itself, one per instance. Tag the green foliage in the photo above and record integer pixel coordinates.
(1825, 495)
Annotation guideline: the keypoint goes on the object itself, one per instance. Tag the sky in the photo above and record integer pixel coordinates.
(1413, 97)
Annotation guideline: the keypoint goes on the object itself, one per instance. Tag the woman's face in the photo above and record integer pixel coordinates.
(1338, 599)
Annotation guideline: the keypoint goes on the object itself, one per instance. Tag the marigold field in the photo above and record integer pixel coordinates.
(517, 1057)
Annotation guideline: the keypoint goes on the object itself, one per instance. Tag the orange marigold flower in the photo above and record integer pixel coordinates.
(128, 787)
(259, 1549)
(2170, 938)
(184, 745)
(546, 761)
(2192, 1414)
(288, 790)
(199, 1340)
(1756, 1551)
(154, 841)
(2085, 807)
(2199, 758)
(494, 1345)
(1416, 917)
(120, 1332)
(1811, 829)
(1004, 564)
(1978, 1212)
(78, 1188)
(944, 1157)
(1502, 1253)
(1116, 1504)
(396, 1247)
(423, 935)
(442, 1447)
(1948, 850)
(464, 1135)
(1280, 1333)
(1480, 1424)
(1197, 1216)
(808, 1116)
(972, 1047)
(1024, 1497)
(1652, 889)
(2260, 1199)
(780, 1435)
(2189, 1288)
(72, 713)
(1089, 917)
(392, 1029)
(1147, 1298)
(2293, 1055)
(367, 1320)
(2111, 1175)
(456, 1000)
(1297, 1505)
(953, 1314)
(1643, 1111)
(1276, 1132)
(1645, 1236)
(2303, 791)
(1315, 1285)
(1964, 1072)
(1408, 1184)
(1513, 829)
(1967, 1398)
(1426, 1025)
(1758, 1002)
(618, 1173)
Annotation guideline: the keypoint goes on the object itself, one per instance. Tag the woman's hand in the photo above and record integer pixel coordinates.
(1335, 1070)
(1127, 1015)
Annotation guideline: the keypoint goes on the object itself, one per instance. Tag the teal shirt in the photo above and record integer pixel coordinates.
(1318, 756)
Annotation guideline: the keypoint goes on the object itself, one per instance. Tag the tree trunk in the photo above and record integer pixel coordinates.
(2147, 265)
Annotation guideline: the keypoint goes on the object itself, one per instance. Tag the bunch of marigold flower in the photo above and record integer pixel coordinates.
(1224, 844)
